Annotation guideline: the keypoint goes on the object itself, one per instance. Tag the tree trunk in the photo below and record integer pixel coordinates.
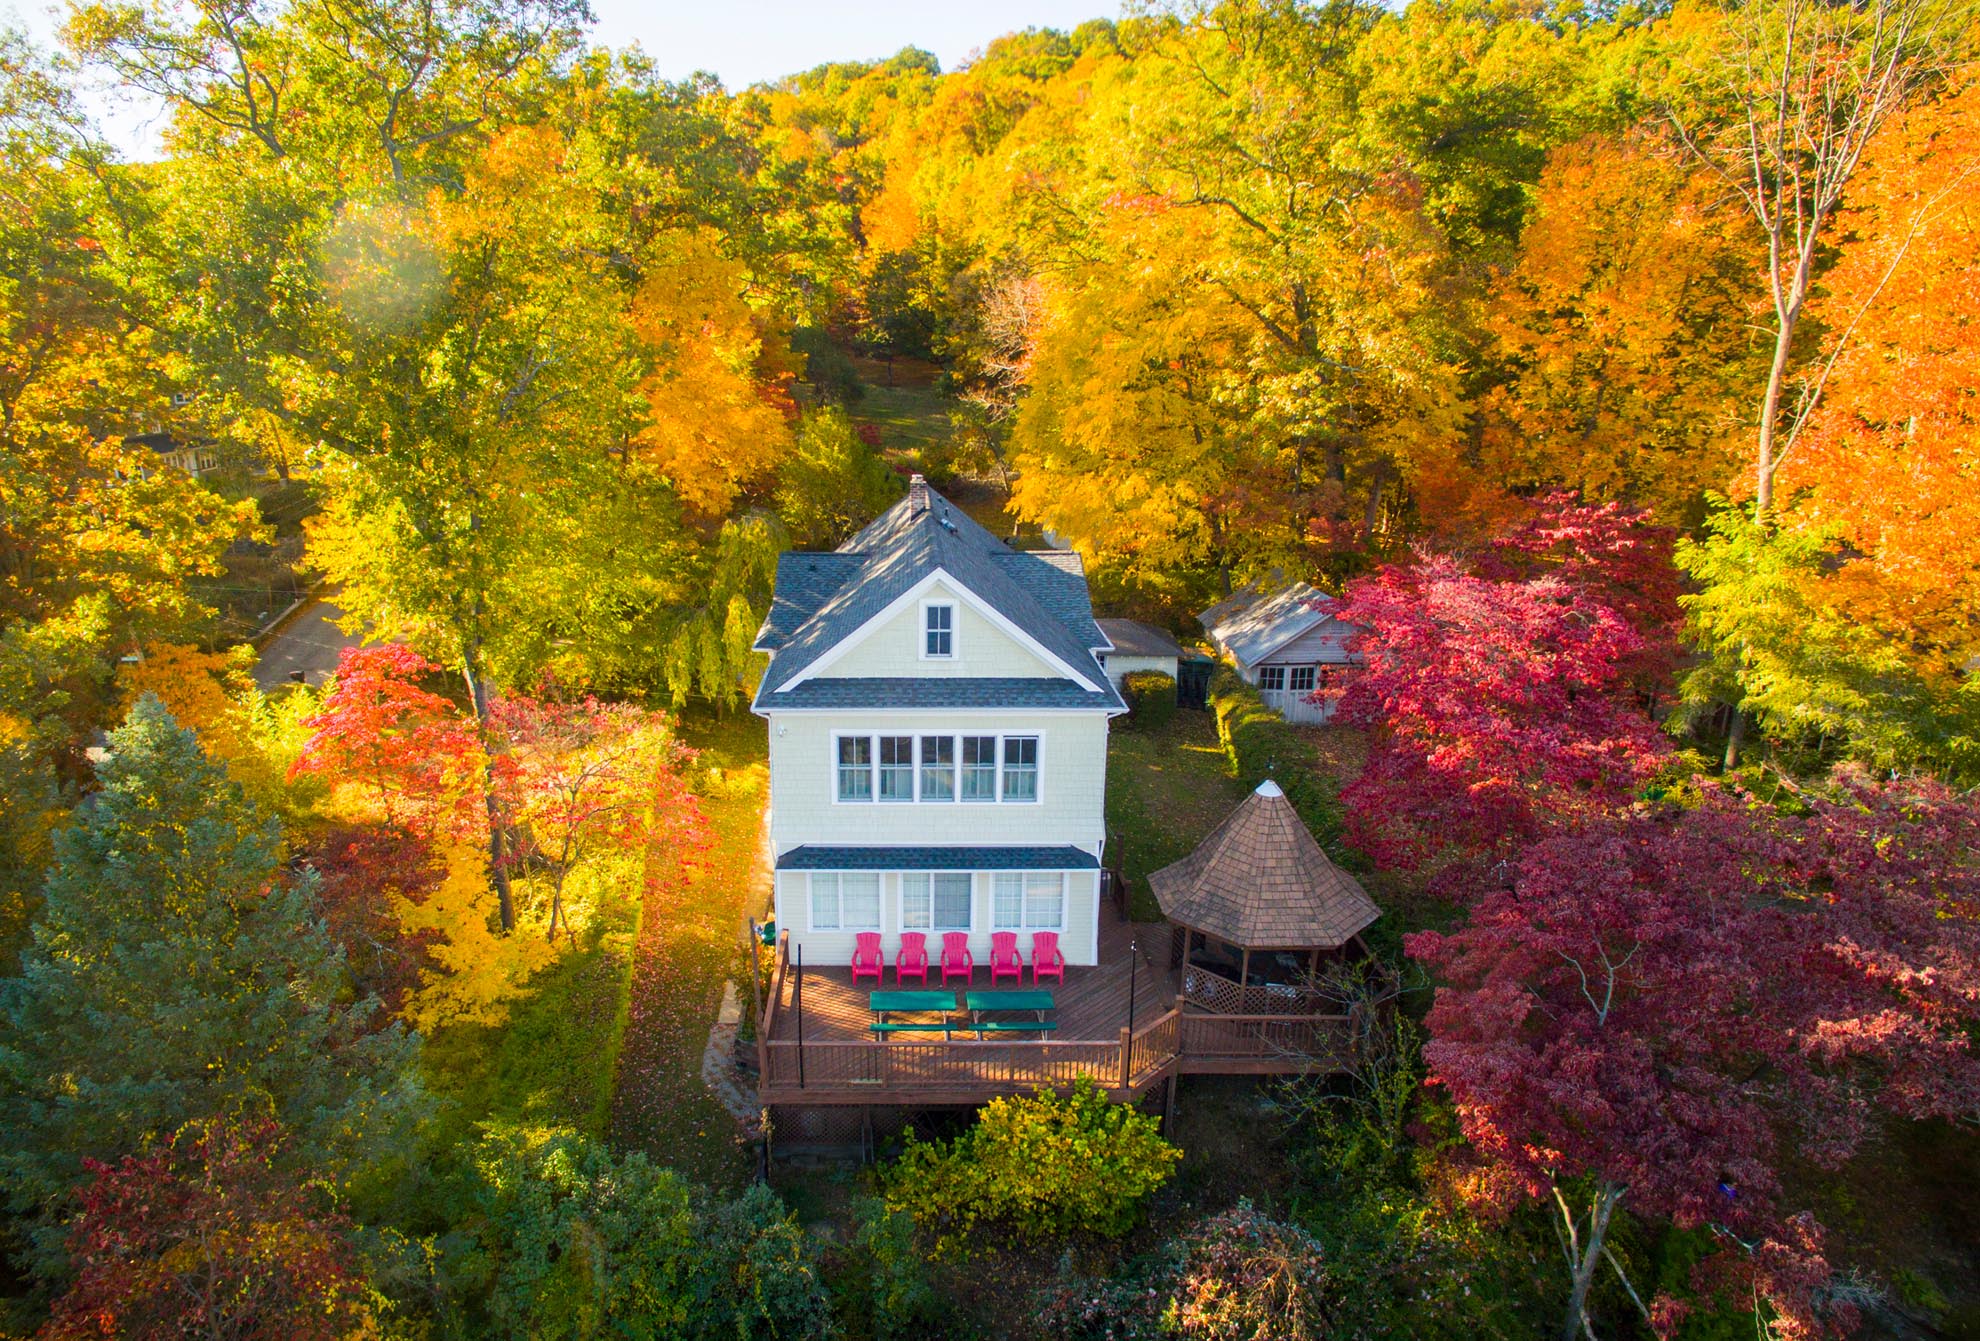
(498, 870)
(1735, 737)
(1585, 1257)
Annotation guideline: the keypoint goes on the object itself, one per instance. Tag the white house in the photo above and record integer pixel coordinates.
(1286, 641)
(1137, 647)
(938, 738)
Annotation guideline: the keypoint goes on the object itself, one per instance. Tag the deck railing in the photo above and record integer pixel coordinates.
(964, 1068)
(1298, 1040)
(1214, 992)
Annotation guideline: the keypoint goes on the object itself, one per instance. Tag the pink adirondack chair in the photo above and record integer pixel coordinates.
(867, 960)
(911, 961)
(1004, 961)
(1047, 960)
(956, 957)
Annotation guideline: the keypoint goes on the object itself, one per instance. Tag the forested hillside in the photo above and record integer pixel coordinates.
(1617, 367)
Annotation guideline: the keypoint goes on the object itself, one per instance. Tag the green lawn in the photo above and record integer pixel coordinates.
(910, 418)
(1166, 790)
(689, 945)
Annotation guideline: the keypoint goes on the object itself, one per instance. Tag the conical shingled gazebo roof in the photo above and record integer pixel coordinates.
(1261, 882)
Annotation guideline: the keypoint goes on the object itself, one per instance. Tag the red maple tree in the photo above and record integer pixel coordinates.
(209, 1236)
(409, 746)
(1657, 998)
(1495, 707)
(576, 776)
(360, 868)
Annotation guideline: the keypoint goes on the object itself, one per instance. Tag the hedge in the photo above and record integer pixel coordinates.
(1259, 744)
(1151, 698)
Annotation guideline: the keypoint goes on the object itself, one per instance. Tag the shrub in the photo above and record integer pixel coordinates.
(1151, 698)
(1236, 1276)
(880, 1283)
(1260, 745)
(1040, 1167)
(574, 1242)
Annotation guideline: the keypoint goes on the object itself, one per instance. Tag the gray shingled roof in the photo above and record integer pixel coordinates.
(1251, 624)
(1261, 882)
(1132, 638)
(812, 857)
(821, 599)
(947, 691)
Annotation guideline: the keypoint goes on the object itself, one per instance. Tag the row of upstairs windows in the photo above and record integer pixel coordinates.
(938, 901)
(936, 768)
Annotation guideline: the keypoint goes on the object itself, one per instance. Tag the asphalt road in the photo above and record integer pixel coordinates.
(308, 643)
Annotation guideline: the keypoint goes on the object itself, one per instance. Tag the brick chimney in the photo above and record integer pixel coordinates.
(917, 495)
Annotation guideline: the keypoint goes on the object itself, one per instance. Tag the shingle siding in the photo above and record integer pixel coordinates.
(1072, 784)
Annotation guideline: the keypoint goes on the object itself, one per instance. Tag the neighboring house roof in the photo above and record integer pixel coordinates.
(948, 691)
(1251, 624)
(821, 600)
(812, 857)
(1260, 881)
(1132, 638)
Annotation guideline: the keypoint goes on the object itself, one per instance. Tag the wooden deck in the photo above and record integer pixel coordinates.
(833, 1058)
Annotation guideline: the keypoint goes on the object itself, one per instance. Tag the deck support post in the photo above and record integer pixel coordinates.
(1244, 971)
(1169, 1105)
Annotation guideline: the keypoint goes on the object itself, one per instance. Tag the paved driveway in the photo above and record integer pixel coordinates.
(308, 643)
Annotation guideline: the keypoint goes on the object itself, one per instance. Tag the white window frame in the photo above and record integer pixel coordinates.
(1275, 673)
(1292, 679)
(921, 766)
(872, 769)
(817, 883)
(955, 735)
(996, 768)
(1024, 892)
(927, 880)
(913, 767)
(1037, 768)
(955, 634)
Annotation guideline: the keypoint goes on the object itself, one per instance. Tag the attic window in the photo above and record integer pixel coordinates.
(938, 625)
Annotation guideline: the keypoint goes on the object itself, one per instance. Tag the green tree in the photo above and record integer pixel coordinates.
(575, 1242)
(178, 973)
(834, 483)
(1042, 1166)
(1809, 672)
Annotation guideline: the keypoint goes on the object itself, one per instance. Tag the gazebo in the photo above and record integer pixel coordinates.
(1259, 890)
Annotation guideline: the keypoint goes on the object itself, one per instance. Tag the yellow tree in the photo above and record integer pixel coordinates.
(1624, 333)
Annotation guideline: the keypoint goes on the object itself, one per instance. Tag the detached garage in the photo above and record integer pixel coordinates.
(1286, 641)
(1137, 647)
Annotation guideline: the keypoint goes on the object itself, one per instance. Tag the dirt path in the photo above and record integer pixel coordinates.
(688, 947)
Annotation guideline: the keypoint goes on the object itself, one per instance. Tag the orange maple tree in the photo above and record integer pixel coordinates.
(1887, 462)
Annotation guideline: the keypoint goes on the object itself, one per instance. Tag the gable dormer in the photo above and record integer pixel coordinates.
(926, 606)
